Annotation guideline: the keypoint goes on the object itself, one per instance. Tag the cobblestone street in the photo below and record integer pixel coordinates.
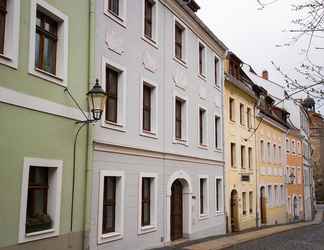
(308, 238)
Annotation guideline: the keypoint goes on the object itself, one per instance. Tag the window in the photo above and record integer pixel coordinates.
(262, 150)
(275, 195)
(287, 145)
(37, 215)
(147, 92)
(113, 6)
(9, 32)
(274, 153)
(150, 21)
(251, 202)
(219, 194)
(216, 71)
(232, 109)
(203, 196)
(233, 155)
(293, 147)
(110, 216)
(249, 118)
(147, 203)
(40, 199)
(202, 127)
(279, 154)
(202, 59)
(112, 95)
(179, 38)
(178, 119)
(244, 203)
(269, 151)
(217, 132)
(114, 77)
(243, 157)
(242, 114)
(270, 195)
(250, 158)
(109, 205)
(48, 43)
(3, 13)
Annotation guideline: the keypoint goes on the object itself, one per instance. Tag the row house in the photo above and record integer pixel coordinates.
(240, 102)
(42, 181)
(158, 163)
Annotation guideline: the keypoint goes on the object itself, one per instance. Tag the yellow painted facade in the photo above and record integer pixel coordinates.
(240, 192)
(271, 162)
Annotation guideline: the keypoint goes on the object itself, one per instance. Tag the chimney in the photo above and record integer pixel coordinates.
(265, 75)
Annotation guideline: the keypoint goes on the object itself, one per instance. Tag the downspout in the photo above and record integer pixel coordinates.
(257, 195)
(90, 132)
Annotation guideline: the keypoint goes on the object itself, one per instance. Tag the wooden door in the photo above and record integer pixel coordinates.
(263, 207)
(176, 211)
(234, 211)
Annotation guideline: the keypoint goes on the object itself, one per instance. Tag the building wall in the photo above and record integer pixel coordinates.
(38, 121)
(236, 133)
(121, 44)
(296, 189)
(271, 172)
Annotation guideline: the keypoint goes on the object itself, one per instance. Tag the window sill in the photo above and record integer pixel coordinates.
(217, 87)
(115, 18)
(114, 126)
(110, 237)
(39, 235)
(147, 229)
(181, 62)
(202, 77)
(203, 216)
(219, 213)
(218, 150)
(148, 134)
(151, 42)
(7, 61)
(48, 76)
(181, 142)
(202, 146)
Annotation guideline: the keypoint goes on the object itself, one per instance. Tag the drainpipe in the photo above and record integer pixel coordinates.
(90, 133)
(257, 198)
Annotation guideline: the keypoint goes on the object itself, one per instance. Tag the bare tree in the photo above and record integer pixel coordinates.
(310, 26)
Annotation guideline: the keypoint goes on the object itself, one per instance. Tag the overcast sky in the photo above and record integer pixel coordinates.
(253, 34)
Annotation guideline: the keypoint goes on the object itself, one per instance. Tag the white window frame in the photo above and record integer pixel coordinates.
(154, 108)
(54, 198)
(154, 204)
(205, 144)
(202, 75)
(184, 58)
(11, 42)
(185, 116)
(218, 81)
(221, 198)
(122, 86)
(218, 147)
(155, 25)
(62, 53)
(121, 19)
(204, 215)
(119, 217)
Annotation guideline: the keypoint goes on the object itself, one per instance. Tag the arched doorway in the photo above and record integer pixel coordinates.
(263, 206)
(234, 211)
(173, 187)
(176, 211)
(295, 208)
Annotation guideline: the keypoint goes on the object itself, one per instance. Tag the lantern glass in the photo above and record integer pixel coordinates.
(97, 99)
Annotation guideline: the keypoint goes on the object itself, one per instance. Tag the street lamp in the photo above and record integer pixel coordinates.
(97, 99)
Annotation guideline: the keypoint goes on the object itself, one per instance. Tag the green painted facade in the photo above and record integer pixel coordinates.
(30, 133)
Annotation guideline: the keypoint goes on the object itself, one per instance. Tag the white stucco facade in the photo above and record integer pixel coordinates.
(124, 150)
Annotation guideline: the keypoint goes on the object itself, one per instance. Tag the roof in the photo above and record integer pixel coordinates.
(185, 6)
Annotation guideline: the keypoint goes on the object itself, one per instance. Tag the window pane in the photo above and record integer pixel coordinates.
(148, 18)
(112, 95)
(178, 41)
(109, 205)
(3, 12)
(113, 6)
(147, 107)
(49, 55)
(146, 201)
(178, 118)
(202, 196)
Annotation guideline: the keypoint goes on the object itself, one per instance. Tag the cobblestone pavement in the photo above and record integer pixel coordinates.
(307, 238)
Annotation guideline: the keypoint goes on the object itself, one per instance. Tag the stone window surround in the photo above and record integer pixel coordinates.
(54, 198)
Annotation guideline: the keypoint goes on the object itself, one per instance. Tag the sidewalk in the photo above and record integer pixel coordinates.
(228, 241)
